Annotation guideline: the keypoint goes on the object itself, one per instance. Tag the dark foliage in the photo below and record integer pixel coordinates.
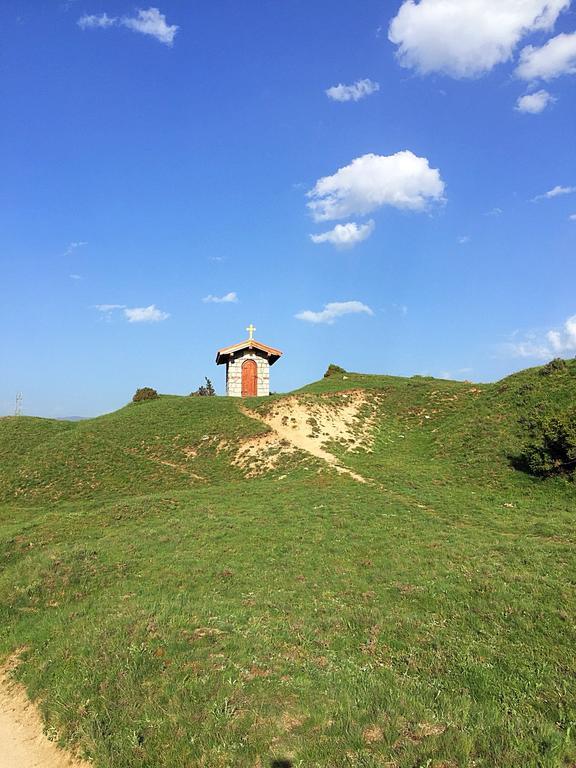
(333, 370)
(554, 366)
(551, 449)
(204, 390)
(145, 393)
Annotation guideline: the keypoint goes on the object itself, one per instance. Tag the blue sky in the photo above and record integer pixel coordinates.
(155, 158)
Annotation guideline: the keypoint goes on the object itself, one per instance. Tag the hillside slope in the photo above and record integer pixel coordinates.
(409, 425)
(171, 442)
(194, 582)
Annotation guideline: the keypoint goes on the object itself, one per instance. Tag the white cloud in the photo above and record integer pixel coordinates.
(564, 340)
(73, 247)
(572, 217)
(466, 38)
(75, 277)
(402, 181)
(464, 239)
(557, 57)
(147, 22)
(528, 348)
(346, 235)
(108, 310)
(557, 191)
(334, 310)
(545, 346)
(228, 298)
(109, 307)
(534, 103)
(149, 314)
(96, 22)
(151, 22)
(358, 90)
(494, 212)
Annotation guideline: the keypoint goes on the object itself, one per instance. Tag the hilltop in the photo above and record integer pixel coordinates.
(351, 574)
(182, 442)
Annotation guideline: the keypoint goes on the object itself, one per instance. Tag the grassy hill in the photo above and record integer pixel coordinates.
(167, 443)
(177, 609)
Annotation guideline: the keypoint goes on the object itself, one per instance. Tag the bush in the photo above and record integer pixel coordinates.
(204, 390)
(146, 393)
(333, 370)
(551, 449)
(554, 366)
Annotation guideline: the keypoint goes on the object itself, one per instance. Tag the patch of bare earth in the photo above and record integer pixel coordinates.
(23, 743)
(298, 423)
(188, 455)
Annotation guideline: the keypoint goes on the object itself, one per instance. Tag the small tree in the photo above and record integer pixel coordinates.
(204, 390)
(146, 393)
(551, 449)
(558, 365)
(333, 370)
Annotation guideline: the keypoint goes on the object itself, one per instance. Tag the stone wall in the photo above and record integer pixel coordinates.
(234, 373)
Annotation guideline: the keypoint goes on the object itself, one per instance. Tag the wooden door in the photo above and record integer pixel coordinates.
(249, 378)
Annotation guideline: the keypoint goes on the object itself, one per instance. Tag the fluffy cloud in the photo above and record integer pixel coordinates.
(152, 22)
(528, 349)
(550, 344)
(149, 314)
(358, 90)
(466, 38)
(147, 22)
(564, 340)
(228, 298)
(572, 217)
(556, 191)
(557, 57)
(333, 311)
(402, 181)
(534, 103)
(345, 235)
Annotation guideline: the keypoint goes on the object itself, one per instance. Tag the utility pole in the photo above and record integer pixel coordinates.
(18, 409)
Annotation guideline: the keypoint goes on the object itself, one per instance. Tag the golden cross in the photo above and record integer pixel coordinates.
(251, 330)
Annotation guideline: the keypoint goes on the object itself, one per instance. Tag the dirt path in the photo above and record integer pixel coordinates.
(23, 743)
(290, 421)
(305, 426)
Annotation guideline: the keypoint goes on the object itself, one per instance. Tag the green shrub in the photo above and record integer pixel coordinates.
(551, 449)
(204, 390)
(554, 366)
(333, 370)
(146, 393)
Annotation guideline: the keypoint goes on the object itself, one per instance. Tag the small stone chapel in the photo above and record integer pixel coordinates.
(248, 366)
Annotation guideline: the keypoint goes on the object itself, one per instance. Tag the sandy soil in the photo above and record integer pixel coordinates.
(23, 743)
(299, 424)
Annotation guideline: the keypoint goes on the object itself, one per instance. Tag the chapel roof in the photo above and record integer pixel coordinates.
(223, 355)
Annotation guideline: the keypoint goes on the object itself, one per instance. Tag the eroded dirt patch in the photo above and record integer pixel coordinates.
(300, 423)
(23, 743)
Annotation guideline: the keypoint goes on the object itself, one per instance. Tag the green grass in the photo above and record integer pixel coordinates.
(425, 619)
(172, 442)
